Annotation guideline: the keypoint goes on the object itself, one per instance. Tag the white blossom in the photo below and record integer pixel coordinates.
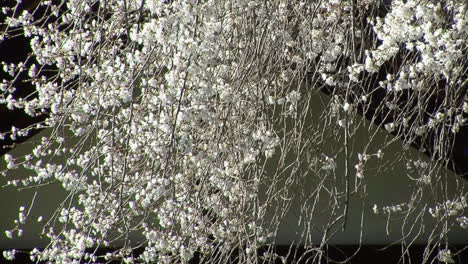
(165, 116)
(445, 256)
(9, 254)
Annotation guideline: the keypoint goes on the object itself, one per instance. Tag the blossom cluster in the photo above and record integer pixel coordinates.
(428, 41)
(451, 208)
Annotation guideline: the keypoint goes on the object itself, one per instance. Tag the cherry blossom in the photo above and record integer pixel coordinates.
(163, 117)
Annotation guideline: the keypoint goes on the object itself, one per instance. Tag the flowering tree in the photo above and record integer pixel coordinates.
(170, 115)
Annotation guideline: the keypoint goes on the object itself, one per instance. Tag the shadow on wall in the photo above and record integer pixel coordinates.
(312, 199)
